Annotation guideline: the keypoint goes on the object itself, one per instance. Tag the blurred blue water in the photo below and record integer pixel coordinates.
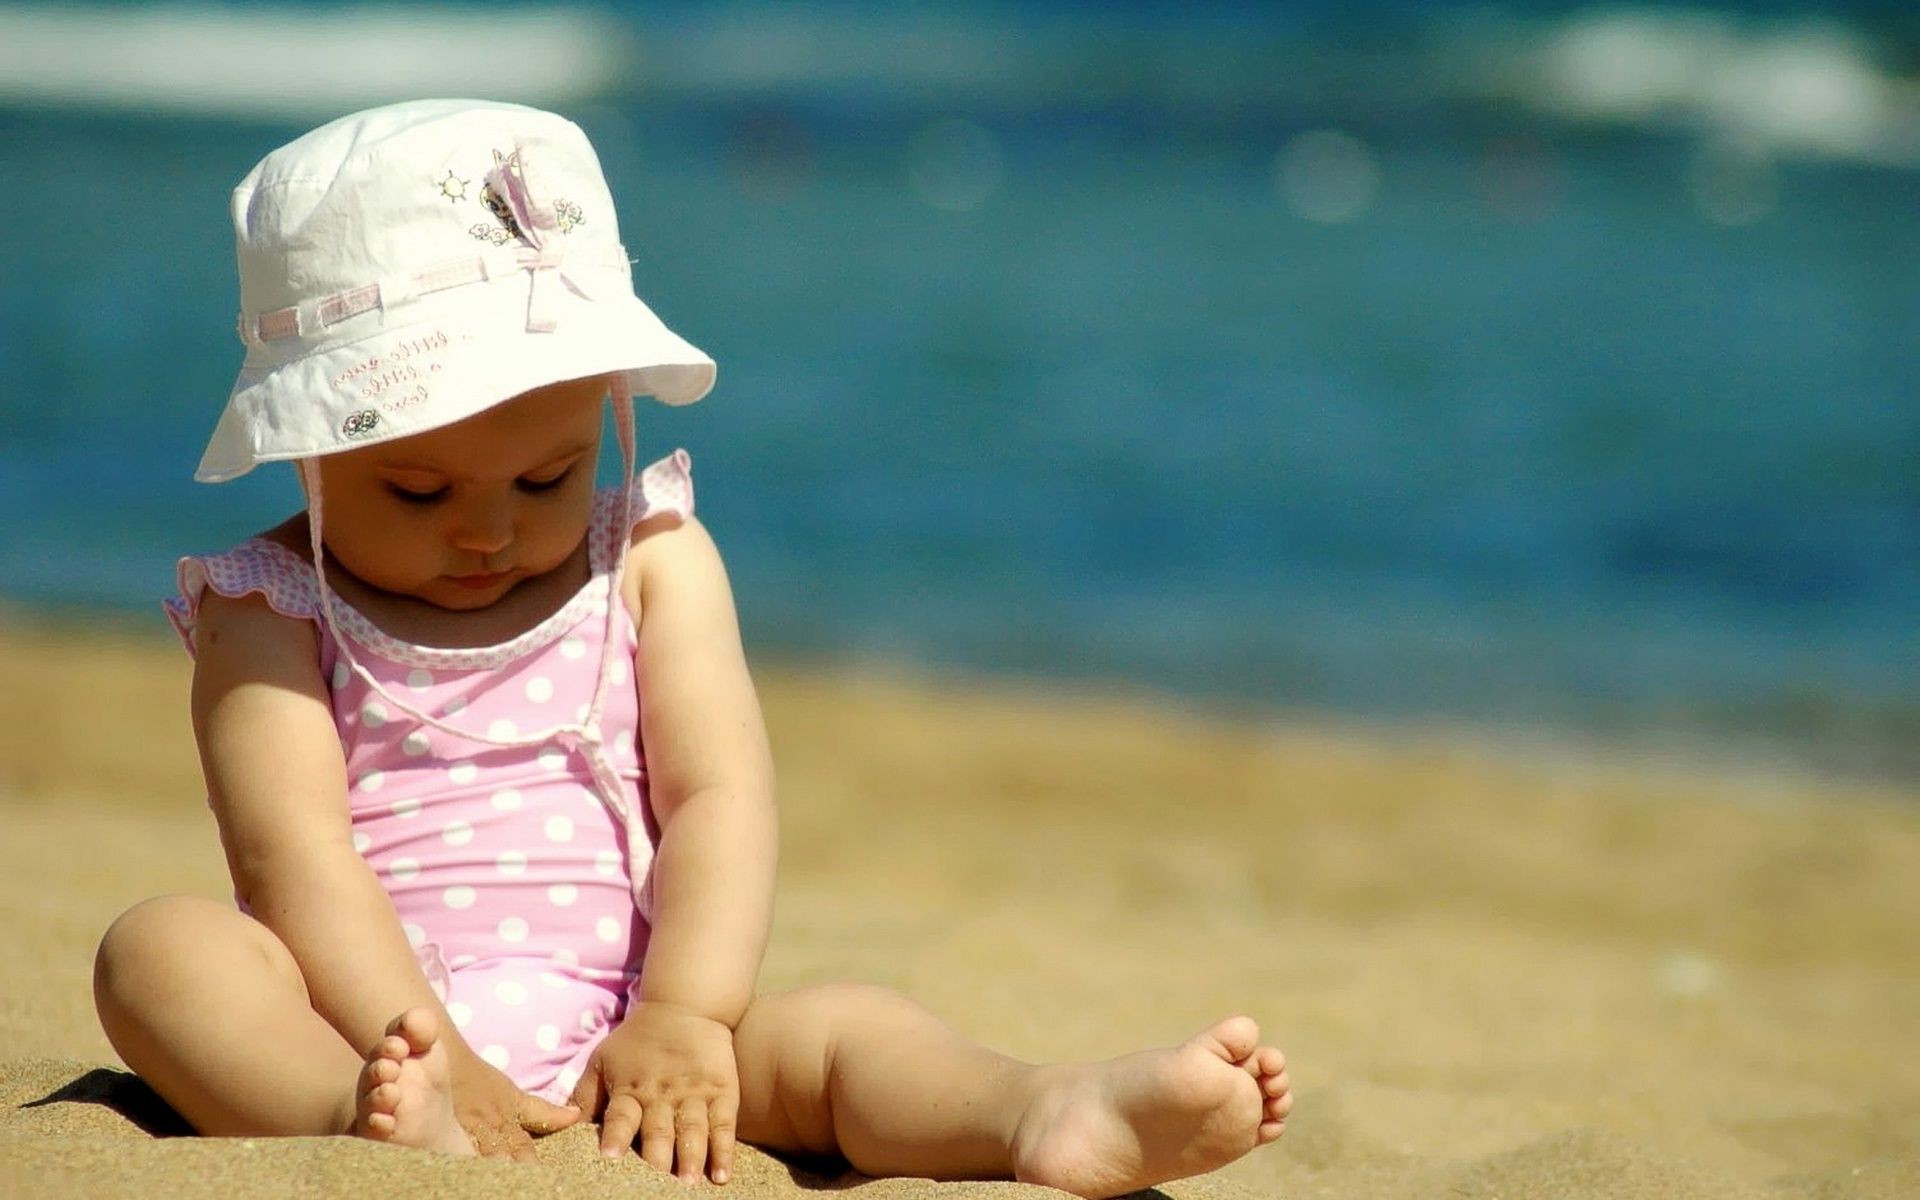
(1584, 457)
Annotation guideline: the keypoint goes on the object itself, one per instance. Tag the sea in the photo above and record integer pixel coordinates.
(1537, 368)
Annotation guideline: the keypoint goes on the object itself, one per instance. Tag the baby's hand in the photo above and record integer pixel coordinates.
(667, 1074)
(501, 1119)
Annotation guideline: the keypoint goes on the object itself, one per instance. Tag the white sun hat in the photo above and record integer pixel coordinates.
(409, 266)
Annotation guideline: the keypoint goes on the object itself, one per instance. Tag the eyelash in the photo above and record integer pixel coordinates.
(531, 486)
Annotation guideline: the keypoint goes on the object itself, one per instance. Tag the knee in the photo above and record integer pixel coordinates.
(139, 941)
(149, 947)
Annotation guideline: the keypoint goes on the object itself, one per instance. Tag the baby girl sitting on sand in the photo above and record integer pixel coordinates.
(486, 760)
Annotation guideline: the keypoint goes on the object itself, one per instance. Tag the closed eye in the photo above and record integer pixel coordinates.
(543, 485)
(412, 497)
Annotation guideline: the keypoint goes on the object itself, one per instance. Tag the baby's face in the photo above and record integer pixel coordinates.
(458, 516)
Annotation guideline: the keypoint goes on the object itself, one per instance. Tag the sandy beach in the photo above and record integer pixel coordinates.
(1498, 970)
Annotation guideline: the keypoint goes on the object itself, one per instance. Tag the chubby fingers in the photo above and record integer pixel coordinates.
(720, 1123)
(657, 1126)
(619, 1124)
(690, 1140)
(692, 1137)
(540, 1117)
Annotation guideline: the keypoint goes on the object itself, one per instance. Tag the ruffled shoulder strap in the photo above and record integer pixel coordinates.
(256, 565)
(665, 486)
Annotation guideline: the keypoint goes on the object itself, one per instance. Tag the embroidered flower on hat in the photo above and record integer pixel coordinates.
(453, 187)
(360, 424)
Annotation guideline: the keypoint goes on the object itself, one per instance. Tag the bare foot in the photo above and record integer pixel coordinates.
(1105, 1129)
(405, 1092)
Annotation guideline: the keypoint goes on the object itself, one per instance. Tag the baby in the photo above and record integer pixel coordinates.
(486, 760)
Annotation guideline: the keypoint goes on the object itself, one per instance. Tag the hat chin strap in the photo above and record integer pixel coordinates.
(583, 736)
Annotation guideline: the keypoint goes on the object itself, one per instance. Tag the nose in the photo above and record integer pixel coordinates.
(484, 527)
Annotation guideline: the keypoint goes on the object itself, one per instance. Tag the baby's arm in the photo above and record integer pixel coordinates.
(710, 780)
(277, 783)
(668, 1072)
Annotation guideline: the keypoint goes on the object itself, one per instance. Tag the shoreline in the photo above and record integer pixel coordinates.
(1764, 764)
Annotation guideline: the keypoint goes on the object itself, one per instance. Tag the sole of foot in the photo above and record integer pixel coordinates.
(405, 1091)
(1106, 1129)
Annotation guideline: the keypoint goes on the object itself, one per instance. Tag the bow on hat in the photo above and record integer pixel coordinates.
(545, 255)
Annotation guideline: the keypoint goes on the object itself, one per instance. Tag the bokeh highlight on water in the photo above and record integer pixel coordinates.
(1388, 401)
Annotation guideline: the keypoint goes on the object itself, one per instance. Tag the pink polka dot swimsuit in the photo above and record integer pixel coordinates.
(519, 883)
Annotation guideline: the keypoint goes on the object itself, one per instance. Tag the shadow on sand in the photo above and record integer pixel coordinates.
(123, 1092)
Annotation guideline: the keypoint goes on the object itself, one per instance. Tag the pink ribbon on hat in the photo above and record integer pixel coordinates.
(545, 254)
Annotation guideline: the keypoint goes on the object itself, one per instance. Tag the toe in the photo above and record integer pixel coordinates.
(392, 1048)
(1278, 1107)
(1276, 1085)
(384, 1098)
(379, 1071)
(1270, 1130)
(379, 1125)
(1233, 1039)
(418, 1027)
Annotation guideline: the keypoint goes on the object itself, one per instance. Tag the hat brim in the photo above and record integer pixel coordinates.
(464, 357)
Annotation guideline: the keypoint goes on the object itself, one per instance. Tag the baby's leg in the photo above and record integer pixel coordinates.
(210, 1008)
(866, 1073)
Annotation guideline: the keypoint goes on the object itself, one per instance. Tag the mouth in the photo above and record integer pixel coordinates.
(479, 582)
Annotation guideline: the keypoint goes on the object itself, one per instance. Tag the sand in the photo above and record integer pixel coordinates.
(1499, 969)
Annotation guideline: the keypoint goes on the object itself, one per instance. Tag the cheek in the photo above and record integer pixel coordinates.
(554, 526)
(394, 547)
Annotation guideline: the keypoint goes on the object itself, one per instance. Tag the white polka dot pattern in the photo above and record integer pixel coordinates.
(504, 863)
